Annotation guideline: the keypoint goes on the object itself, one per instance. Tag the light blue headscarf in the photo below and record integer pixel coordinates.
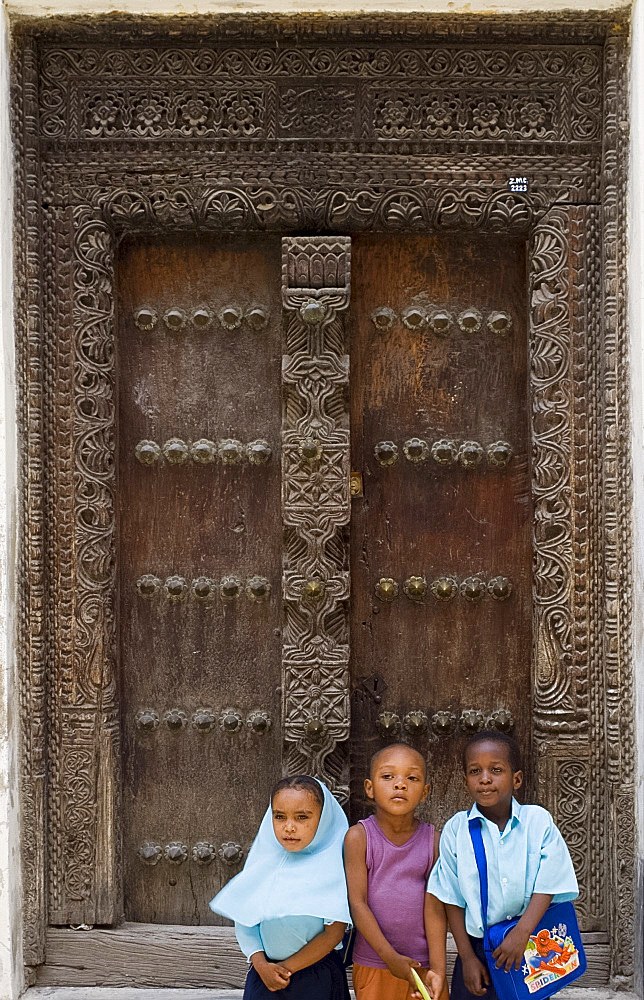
(278, 883)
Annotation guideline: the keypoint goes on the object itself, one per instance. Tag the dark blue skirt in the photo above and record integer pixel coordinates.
(458, 989)
(326, 980)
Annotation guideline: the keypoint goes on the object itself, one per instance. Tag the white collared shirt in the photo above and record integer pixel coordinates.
(528, 856)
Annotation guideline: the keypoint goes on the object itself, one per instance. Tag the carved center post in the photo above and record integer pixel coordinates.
(316, 508)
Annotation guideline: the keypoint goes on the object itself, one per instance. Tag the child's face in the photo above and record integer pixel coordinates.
(489, 777)
(296, 814)
(397, 783)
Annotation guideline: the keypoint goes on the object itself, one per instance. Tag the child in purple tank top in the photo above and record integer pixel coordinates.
(388, 858)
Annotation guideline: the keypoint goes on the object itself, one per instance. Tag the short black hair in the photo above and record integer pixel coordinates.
(394, 746)
(494, 736)
(302, 781)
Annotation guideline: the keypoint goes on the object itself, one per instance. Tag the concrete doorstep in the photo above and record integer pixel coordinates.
(127, 993)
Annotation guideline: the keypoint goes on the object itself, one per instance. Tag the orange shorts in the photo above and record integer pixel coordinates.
(379, 984)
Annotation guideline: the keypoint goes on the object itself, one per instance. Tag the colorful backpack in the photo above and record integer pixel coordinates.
(554, 956)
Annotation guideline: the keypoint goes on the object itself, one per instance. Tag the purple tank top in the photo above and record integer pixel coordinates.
(396, 886)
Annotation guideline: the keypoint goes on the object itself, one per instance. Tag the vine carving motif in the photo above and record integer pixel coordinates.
(371, 203)
(568, 718)
(552, 409)
(83, 855)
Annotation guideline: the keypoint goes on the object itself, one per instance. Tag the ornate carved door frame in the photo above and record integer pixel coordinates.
(415, 128)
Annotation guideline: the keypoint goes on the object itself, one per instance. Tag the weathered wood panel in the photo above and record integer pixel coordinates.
(127, 993)
(148, 955)
(200, 563)
(439, 369)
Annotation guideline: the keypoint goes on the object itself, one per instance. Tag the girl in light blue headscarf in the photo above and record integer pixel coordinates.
(290, 902)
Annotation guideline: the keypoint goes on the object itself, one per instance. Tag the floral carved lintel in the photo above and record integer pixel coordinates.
(422, 92)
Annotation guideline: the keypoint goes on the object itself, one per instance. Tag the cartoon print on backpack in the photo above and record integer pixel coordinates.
(548, 956)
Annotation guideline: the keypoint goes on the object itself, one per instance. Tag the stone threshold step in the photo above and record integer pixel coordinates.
(160, 993)
(127, 993)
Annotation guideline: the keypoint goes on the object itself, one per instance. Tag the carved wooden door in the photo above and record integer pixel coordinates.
(234, 591)
(163, 686)
(441, 519)
(200, 564)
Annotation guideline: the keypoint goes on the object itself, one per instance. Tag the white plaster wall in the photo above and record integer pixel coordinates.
(10, 951)
(42, 8)
(11, 981)
(636, 322)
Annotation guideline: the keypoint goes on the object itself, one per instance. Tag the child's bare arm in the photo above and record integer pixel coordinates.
(319, 946)
(435, 917)
(436, 933)
(475, 974)
(512, 948)
(355, 863)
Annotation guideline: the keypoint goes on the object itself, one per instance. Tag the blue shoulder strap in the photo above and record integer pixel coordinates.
(481, 864)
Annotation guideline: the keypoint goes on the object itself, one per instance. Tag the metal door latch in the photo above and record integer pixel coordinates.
(373, 686)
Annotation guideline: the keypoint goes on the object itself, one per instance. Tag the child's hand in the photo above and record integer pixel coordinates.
(434, 983)
(511, 951)
(475, 976)
(400, 966)
(274, 977)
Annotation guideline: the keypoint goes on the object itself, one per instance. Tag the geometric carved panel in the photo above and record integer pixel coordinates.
(316, 275)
